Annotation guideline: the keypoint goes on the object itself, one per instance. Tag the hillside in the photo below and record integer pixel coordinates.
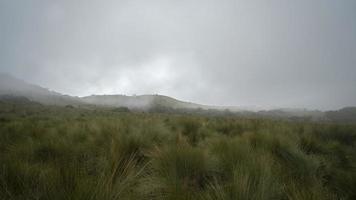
(142, 102)
(347, 114)
(15, 87)
(296, 114)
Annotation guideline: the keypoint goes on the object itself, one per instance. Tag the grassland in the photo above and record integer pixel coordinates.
(71, 153)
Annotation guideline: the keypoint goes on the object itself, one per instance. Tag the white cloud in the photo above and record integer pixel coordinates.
(213, 52)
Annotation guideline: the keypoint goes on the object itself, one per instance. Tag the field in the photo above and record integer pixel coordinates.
(49, 152)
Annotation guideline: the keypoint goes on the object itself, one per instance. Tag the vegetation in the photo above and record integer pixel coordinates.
(49, 152)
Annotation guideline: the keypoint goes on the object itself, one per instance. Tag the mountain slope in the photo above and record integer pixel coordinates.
(13, 89)
(347, 114)
(16, 87)
(143, 102)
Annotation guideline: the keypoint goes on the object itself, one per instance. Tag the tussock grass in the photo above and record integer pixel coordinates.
(57, 153)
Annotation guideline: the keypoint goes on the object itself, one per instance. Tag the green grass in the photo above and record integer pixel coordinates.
(72, 153)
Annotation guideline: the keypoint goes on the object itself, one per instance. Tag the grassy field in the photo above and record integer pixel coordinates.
(71, 153)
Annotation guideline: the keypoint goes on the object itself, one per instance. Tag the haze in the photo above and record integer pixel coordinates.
(245, 53)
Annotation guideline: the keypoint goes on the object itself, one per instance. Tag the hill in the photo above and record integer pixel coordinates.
(16, 90)
(347, 114)
(139, 102)
(15, 87)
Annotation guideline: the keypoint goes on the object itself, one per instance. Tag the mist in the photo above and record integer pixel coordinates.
(298, 54)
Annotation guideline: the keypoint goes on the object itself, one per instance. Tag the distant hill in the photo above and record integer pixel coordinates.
(10, 99)
(16, 87)
(13, 87)
(20, 92)
(142, 102)
(347, 114)
(295, 114)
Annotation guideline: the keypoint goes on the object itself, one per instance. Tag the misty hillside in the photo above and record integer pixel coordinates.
(293, 113)
(17, 100)
(19, 91)
(142, 102)
(347, 114)
(15, 87)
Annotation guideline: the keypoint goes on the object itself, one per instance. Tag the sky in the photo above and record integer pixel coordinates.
(267, 53)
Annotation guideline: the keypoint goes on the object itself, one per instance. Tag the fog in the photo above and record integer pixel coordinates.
(245, 53)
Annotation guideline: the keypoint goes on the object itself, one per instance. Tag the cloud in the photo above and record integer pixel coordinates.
(275, 53)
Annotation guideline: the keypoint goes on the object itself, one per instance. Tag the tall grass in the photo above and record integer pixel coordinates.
(58, 153)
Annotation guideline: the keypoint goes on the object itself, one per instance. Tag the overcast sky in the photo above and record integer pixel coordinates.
(272, 53)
